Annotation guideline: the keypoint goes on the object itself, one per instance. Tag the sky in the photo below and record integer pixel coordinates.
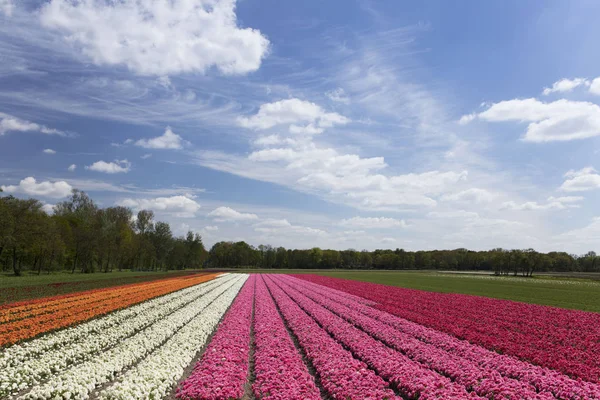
(338, 124)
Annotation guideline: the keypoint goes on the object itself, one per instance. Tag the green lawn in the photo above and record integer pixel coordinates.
(581, 294)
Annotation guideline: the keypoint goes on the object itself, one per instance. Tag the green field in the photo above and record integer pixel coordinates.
(580, 294)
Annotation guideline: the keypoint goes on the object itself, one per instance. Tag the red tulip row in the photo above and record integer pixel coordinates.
(564, 340)
(542, 379)
(341, 375)
(223, 370)
(280, 373)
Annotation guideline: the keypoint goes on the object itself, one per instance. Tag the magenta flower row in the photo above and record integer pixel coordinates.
(341, 375)
(411, 379)
(280, 372)
(223, 370)
(543, 379)
(484, 381)
(564, 340)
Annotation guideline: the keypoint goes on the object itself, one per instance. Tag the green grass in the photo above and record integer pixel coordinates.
(32, 286)
(580, 294)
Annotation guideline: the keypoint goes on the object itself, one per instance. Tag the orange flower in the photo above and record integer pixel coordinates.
(25, 321)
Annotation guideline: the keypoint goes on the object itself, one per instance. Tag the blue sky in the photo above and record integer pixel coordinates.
(338, 124)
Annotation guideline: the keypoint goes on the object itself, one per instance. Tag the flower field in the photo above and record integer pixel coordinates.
(266, 336)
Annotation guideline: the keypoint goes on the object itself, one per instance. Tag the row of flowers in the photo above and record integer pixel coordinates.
(157, 374)
(43, 305)
(483, 380)
(90, 306)
(79, 381)
(341, 375)
(280, 372)
(564, 340)
(27, 364)
(542, 379)
(410, 378)
(223, 369)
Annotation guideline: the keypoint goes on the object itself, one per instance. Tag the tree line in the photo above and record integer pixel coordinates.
(500, 261)
(80, 236)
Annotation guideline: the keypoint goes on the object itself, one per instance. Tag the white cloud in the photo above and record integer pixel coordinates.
(453, 214)
(168, 140)
(116, 167)
(222, 214)
(48, 208)
(465, 119)
(8, 123)
(146, 156)
(566, 85)
(473, 195)
(584, 239)
(180, 206)
(276, 228)
(338, 95)
(58, 189)
(270, 140)
(343, 178)
(309, 129)
(49, 151)
(211, 228)
(581, 180)
(6, 7)
(595, 86)
(293, 112)
(276, 223)
(388, 240)
(373, 222)
(560, 120)
(566, 199)
(72, 167)
(159, 38)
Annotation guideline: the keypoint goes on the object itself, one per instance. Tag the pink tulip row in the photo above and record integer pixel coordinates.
(411, 379)
(481, 380)
(280, 373)
(341, 375)
(563, 340)
(542, 379)
(223, 370)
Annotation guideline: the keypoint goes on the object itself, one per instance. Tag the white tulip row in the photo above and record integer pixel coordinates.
(19, 353)
(81, 380)
(155, 376)
(18, 373)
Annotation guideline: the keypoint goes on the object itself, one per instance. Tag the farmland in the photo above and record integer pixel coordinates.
(292, 336)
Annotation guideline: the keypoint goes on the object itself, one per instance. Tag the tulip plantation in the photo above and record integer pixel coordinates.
(274, 336)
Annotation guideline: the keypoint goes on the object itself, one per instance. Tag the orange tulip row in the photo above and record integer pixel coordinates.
(50, 305)
(20, 323)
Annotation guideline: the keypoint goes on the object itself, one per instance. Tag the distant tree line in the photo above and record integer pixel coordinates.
(501, 261)
(80, 236)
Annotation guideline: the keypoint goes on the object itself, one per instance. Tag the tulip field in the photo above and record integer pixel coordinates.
(282, 336)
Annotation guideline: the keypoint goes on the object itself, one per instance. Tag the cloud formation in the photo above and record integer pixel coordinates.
(179, 206)
(581, 180)
(116, 167)
(373, 222)
(30, 186)
(159, 38)
(168, 140)
(566, 85)
(303, 117)
(223, 214)
(560, 120)
(9, 123)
